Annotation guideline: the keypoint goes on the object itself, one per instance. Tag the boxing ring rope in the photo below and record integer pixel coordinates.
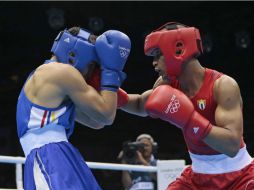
(18, 161)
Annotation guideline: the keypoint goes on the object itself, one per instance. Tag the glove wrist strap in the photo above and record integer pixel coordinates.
(111, 80)
(198, 127)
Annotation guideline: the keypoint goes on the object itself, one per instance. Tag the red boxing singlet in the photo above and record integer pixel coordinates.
(205, 104)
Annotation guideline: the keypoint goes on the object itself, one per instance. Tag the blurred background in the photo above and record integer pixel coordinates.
(27, 31)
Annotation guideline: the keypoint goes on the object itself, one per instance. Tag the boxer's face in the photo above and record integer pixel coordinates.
(160, 65)
(87, 72)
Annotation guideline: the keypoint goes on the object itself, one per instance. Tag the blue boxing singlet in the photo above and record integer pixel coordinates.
(34, 117)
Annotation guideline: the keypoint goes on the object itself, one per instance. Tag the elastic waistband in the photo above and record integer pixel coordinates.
(218, 164)
(39, 137)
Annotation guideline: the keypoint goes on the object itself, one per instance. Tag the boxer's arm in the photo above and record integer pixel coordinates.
(84, 119)
(136, 104)
(226, 136)
(100, 107)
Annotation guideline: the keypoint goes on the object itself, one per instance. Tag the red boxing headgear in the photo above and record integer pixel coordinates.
(177, 42)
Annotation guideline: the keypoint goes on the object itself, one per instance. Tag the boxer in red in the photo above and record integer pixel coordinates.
(205, 104)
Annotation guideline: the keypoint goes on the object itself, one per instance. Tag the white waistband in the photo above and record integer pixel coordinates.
(221, 163)
(39, 137)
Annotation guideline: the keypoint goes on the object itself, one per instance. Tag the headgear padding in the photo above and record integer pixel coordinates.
(177, 44)
(74, 50)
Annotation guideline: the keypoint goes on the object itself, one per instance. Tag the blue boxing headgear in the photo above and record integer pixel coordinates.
(74, 50)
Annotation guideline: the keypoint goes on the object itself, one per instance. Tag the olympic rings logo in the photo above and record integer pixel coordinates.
(124, 52)
(173, 105)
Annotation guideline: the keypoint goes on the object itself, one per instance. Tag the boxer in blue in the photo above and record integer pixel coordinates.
(56, 94)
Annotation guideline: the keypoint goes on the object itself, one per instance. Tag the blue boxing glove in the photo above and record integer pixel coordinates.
(113, 48)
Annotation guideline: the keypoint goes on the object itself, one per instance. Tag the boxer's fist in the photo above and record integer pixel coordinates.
(172, 105)
(113, 48)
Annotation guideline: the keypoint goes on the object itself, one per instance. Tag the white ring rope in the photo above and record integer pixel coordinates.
(92, 165)
(167, 170)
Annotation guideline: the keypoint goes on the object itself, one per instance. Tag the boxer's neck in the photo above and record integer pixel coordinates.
(192, 77)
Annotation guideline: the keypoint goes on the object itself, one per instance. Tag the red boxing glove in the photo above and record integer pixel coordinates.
(95, 79)
(170, 104)
(122, 98)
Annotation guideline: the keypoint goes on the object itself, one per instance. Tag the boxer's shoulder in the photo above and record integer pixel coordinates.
(225, 84)
(55, 73)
